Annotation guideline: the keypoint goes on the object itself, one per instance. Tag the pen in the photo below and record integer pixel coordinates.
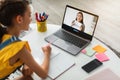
(36, 15)
(46, 16)
(43, 14)
(41, 17)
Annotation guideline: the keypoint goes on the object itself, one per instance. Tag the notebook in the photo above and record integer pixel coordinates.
(57, 66)
(78, 27)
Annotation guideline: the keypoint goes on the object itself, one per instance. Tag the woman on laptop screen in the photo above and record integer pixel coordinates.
(78, 22)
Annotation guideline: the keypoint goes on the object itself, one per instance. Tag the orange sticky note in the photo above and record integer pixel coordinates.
(99, 49)
(102, 57)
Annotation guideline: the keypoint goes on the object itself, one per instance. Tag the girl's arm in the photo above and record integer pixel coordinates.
(40, 70)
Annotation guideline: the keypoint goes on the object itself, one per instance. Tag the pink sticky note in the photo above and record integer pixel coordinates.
(102, 57)
(84, 51)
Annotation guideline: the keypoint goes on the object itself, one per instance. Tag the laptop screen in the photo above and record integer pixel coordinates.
(79, 22)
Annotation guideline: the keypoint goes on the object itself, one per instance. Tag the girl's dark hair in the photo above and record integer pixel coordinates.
(8, 10)
(82, 16)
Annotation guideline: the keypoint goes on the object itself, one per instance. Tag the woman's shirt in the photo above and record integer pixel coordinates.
(78, 25)
(8, 52)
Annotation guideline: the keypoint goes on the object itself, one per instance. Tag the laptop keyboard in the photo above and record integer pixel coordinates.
(72, 39)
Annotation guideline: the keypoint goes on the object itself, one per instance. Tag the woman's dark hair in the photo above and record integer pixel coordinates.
(8, 10)
(82, 16)
(83, 26)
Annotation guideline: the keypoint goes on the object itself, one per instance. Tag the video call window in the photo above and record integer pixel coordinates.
(80, 20)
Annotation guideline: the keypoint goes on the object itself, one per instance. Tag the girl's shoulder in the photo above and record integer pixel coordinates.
(15, 44)
(14, 47)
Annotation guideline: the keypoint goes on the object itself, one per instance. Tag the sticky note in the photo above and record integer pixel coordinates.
(83, 51)
(99, 49)
(90, 52)
(102, 57)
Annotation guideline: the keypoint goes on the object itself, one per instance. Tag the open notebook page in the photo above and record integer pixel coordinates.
(59, 63)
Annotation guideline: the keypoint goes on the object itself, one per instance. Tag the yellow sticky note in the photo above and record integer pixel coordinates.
(99, 49)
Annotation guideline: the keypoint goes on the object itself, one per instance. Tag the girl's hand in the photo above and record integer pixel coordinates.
(47, 49)
(26, 71)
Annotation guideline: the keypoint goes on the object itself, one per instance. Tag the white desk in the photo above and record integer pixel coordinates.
(75, 73)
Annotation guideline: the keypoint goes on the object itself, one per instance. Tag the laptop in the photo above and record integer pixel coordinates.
(76, 32)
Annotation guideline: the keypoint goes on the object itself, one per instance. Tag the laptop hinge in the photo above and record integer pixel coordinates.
(75, 35)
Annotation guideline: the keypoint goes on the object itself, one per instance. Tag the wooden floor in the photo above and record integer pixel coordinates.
(108, 27)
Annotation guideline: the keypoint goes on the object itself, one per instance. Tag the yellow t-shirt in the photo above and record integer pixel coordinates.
(8, 52)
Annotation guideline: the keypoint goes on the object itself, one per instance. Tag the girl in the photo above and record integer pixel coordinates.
(15, 16)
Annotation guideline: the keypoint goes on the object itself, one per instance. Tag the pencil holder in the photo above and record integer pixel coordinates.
(41, 26)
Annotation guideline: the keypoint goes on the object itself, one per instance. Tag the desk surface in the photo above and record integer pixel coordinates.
(75, 73)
